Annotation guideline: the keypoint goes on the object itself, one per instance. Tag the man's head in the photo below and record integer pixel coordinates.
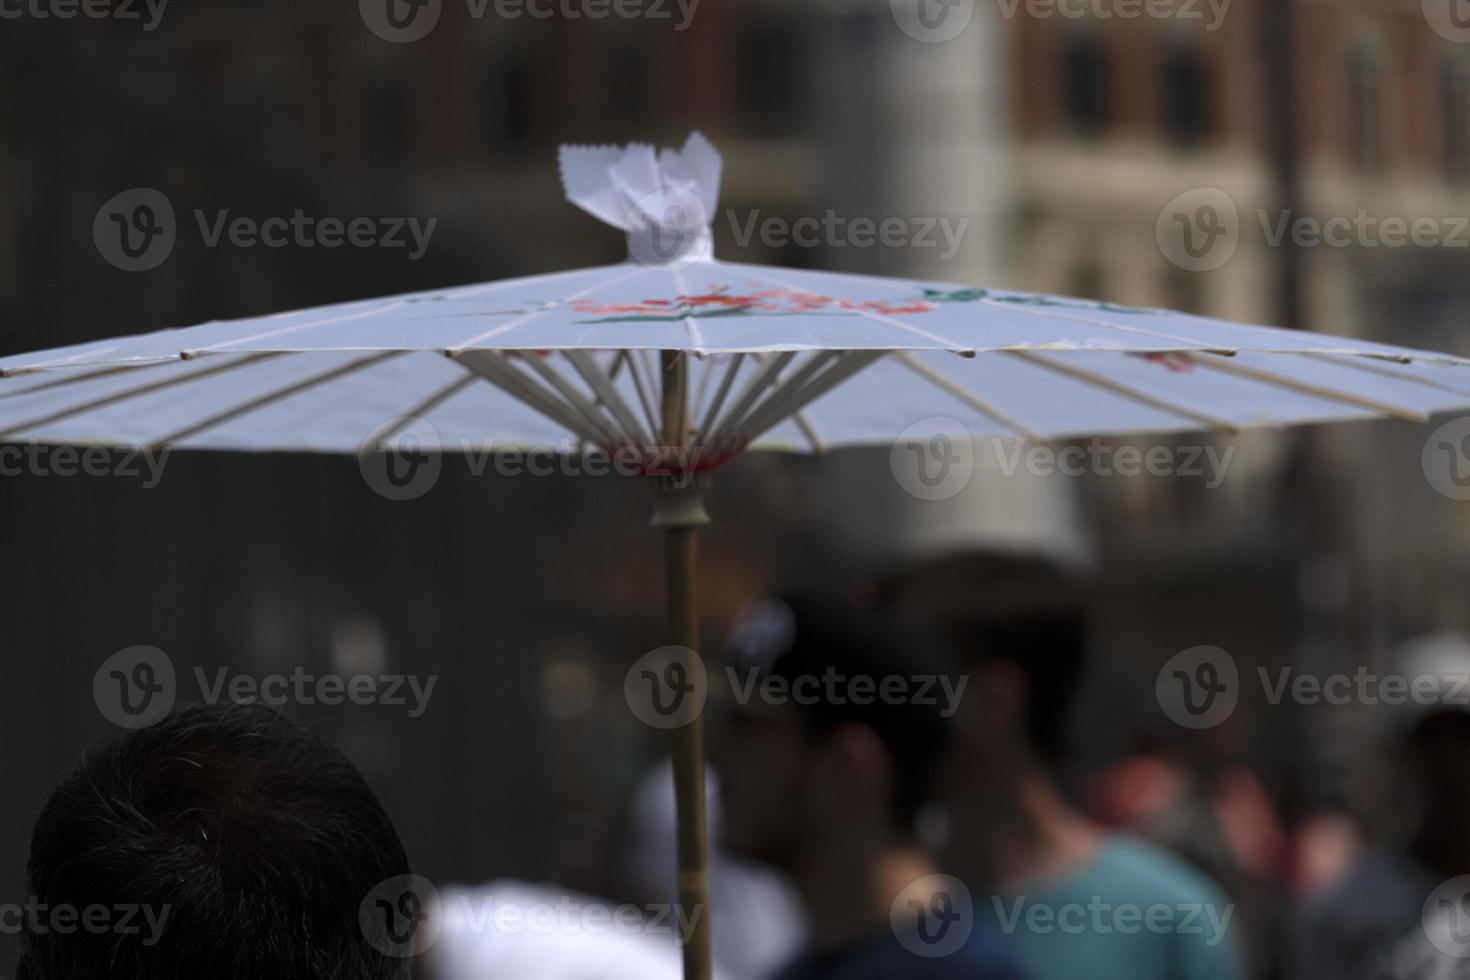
(835, 718)
(246, 844)
(1019, 627)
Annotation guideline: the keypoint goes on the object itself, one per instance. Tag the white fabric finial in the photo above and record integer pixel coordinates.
(664, 200)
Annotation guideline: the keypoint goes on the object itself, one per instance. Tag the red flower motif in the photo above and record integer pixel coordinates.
(1176, 363)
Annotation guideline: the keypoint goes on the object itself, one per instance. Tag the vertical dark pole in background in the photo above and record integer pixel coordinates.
(1283, 140)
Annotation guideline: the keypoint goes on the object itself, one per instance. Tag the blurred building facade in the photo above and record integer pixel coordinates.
(1125, 124)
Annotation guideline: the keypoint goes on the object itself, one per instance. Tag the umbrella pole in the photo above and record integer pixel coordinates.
(688, 760)
(679, 511)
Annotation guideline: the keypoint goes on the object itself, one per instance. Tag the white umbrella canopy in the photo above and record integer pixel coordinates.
(674, 348)
(780, 358)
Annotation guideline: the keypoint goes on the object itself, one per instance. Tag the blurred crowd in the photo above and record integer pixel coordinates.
(891, 796)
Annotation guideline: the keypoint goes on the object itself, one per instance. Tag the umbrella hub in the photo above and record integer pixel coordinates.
(678, 500)
(670, 244)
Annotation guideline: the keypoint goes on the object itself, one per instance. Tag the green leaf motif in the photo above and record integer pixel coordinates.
(971, 295)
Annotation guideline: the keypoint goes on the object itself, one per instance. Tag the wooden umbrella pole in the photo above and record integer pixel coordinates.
(688, 759)
(679, 511)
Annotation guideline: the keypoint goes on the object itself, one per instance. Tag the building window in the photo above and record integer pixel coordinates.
(770, 70)
(1085, 280)
(1185, 88)
(1087, 84)
(1455, 116)
(1365, 82)
(508, 101)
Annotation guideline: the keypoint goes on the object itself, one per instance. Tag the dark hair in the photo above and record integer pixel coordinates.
(1026, 610)
(258, 840)
(823, 633)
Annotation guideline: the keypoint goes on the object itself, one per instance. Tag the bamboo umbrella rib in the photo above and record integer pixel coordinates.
(718, 402)
(700, 391)
(848, 364)
(636, 369)
(965, 396)
(579, 402)
(1118, 388)
(586, 365)
(272, 397)
(144, 389)
(951, 345)
(784, 390)
(106, 372)
(461, 346)
(424, 407)
(810, 432)
(1360, 363)
(1309, 388)
(770, 367)
(493, 367)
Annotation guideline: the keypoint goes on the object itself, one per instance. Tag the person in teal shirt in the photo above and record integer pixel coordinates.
(1131, 912)
(1076, 901)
